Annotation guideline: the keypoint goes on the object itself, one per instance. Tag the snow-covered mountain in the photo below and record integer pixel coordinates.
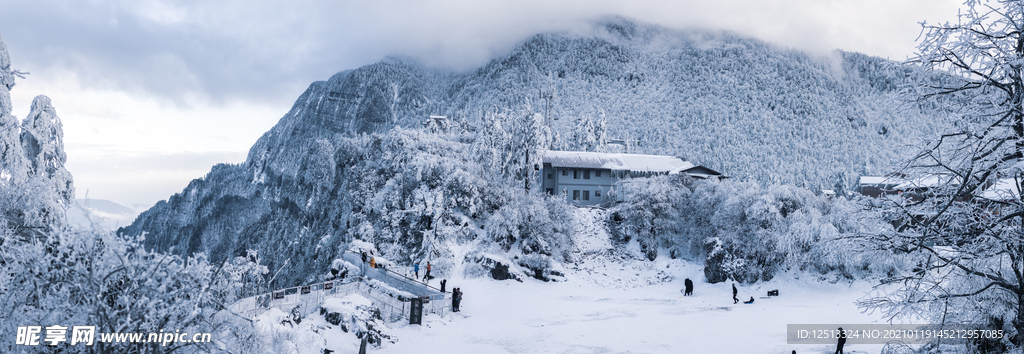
(335, 168)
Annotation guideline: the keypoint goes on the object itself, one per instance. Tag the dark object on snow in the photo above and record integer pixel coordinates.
(773, 292)
(735, 300)
(362, 346)
(456, 299)
(751, 301)
(842, 341)
(500, 272)
(689, 287)
(333, 318)
(443, 281)
(328, 351)
(364, 257)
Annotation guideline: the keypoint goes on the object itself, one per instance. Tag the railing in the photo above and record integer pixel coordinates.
(306, 299)
(388, 271)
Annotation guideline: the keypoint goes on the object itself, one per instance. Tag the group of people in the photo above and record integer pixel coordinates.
(416, 270)
(688, 291)
(456, 299)
(456, 293)
(736, 300)
(372, 261)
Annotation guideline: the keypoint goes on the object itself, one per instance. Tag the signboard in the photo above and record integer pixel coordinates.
(304, 289)
(416, 311)
(278, 295)
(426, 299)
(328, 286)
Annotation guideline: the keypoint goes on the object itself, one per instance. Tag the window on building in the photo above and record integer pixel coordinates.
(586, 174)
(597, 173)
(564, 172)
(576, 195)
(575, 174)
(550, 191)
(551, 176)
(586, 195)
(597, 193)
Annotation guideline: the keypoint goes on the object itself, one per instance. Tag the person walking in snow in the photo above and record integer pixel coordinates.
(735, 300)
(416, 269)
(689, 287)
(426, 277)
(842, 341)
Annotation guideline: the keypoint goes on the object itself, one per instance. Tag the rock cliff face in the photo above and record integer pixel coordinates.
(35, 188)
(334, 168)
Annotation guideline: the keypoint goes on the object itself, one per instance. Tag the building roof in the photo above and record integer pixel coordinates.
(876, 180)
(621, 162)
(900, 182)
(699, 172)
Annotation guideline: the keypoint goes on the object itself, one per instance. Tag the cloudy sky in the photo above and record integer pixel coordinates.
(153, 93)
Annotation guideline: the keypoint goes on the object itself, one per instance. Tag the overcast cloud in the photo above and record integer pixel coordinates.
(190, 78)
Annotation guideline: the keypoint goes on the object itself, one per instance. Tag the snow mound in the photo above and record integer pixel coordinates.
(596, 260)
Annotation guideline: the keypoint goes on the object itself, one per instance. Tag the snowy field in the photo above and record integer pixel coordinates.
(614, 301)
(611, 301)
(580, 317)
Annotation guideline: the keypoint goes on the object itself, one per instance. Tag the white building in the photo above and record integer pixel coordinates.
(586, 177)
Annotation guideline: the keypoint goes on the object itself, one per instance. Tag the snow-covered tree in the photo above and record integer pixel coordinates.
(965, 219)
(35, 188)
(115, 284)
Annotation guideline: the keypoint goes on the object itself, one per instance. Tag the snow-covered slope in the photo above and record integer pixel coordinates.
(596, 261)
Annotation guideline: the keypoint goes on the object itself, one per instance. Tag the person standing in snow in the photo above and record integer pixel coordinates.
(443, 281)
(689, 287)
(416, 269)
(458, 299)
(735, 300)
(842, 341)
(455, 300)
(426, 277)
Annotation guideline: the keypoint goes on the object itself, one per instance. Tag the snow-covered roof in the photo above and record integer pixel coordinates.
(622, 162)
(1004, 189)
(874, 180)
(903, 183)
(927, 181)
